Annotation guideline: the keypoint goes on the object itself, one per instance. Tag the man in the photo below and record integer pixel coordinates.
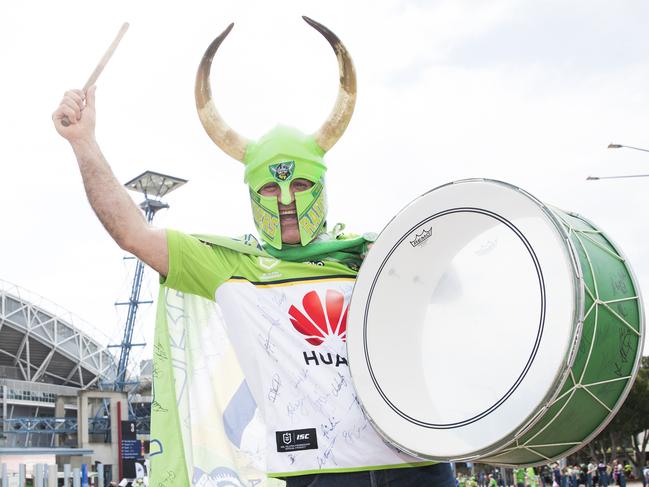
(556, 474)
(602, 470)
(591, 473)
(293, 291)
(531, 478)
(519, 477)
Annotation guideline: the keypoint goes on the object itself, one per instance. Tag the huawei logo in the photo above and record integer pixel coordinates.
(319, 322)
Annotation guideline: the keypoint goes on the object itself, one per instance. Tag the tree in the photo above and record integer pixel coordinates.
(634, 415)
(629, 428)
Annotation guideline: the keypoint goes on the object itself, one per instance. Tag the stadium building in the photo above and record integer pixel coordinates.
(56, 382)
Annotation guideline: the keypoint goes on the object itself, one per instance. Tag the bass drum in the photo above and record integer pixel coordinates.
(486, 326)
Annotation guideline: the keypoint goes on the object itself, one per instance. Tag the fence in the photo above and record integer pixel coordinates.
(43, 475)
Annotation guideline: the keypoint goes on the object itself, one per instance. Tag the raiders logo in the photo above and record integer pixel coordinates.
(282, 171)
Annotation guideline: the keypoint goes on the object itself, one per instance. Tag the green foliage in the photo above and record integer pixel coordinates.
(633, 417)
(621, 435)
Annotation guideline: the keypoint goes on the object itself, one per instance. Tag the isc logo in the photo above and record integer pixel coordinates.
(296, 440)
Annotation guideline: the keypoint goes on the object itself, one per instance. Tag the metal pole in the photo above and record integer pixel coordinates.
(119, 440)
(157, 185)
(37, 475)
(595, 178)
(5, 475)
(22, 475)
(100, 475)
(619, 146)
(5, 390)
(76, 477)
(67, 474)
(52, 476)
(133, 303)
(130, 325)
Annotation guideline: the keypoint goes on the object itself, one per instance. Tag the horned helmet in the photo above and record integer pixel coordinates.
(283, 154)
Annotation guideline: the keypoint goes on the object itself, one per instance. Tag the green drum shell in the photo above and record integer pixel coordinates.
(601, 367)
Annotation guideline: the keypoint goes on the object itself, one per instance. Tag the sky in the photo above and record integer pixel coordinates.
(526, 92)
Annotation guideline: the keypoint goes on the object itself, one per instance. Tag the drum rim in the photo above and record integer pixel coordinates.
(564, 370)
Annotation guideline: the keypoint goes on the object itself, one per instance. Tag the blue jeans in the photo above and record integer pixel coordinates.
(603, 479)
(622, 480)
(438, 475)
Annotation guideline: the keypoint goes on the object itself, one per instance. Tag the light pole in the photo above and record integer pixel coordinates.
(620, 146)
(154, 186)
(626, 176)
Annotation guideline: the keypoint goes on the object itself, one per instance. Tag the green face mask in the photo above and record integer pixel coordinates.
(281, 156)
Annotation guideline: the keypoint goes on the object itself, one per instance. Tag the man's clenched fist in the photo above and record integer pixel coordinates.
(74, 118)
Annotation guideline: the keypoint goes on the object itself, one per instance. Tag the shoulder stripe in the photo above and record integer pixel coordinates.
(295, 280)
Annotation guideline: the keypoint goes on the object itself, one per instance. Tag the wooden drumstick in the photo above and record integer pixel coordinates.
(102, 64)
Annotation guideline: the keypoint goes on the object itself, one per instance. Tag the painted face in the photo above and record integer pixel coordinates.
(285, 174)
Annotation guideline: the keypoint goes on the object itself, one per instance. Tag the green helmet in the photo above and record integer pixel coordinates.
(283, 154)
(280, 156)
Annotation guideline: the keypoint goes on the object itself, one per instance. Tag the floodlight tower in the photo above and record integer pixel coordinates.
(154, 186)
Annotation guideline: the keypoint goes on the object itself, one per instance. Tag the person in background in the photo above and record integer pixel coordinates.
(591, 470)
(602, 473)
(621, 475)
(531, 478)
(519, 477)
(645, 476)
(556, 475)
(482, 479)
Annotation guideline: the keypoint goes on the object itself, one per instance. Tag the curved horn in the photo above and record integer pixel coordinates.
(220, 132)
(333, 128)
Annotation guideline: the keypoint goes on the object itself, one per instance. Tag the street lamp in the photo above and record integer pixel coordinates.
(620, 146)
(596, 178)
(154, 186)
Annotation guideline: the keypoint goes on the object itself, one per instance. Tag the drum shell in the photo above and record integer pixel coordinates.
(604, 359)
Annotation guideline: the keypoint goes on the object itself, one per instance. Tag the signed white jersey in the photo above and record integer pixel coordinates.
(287, 322)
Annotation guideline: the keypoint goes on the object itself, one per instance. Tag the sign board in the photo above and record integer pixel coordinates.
(131, 449)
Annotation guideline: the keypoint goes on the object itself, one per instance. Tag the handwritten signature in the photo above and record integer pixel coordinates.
(300, 377)
(294, 407)
(327, 454)
(355, 433)
(168, 478)
(268, 345)
(338, 384)
(328, 428)
(274, 388)
(272, 320)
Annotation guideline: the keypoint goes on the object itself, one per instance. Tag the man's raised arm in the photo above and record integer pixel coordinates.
(113, 206)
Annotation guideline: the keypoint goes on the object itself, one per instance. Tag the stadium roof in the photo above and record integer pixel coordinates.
(44, 343)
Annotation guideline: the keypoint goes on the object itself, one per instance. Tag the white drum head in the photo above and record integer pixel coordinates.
(462, 319)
